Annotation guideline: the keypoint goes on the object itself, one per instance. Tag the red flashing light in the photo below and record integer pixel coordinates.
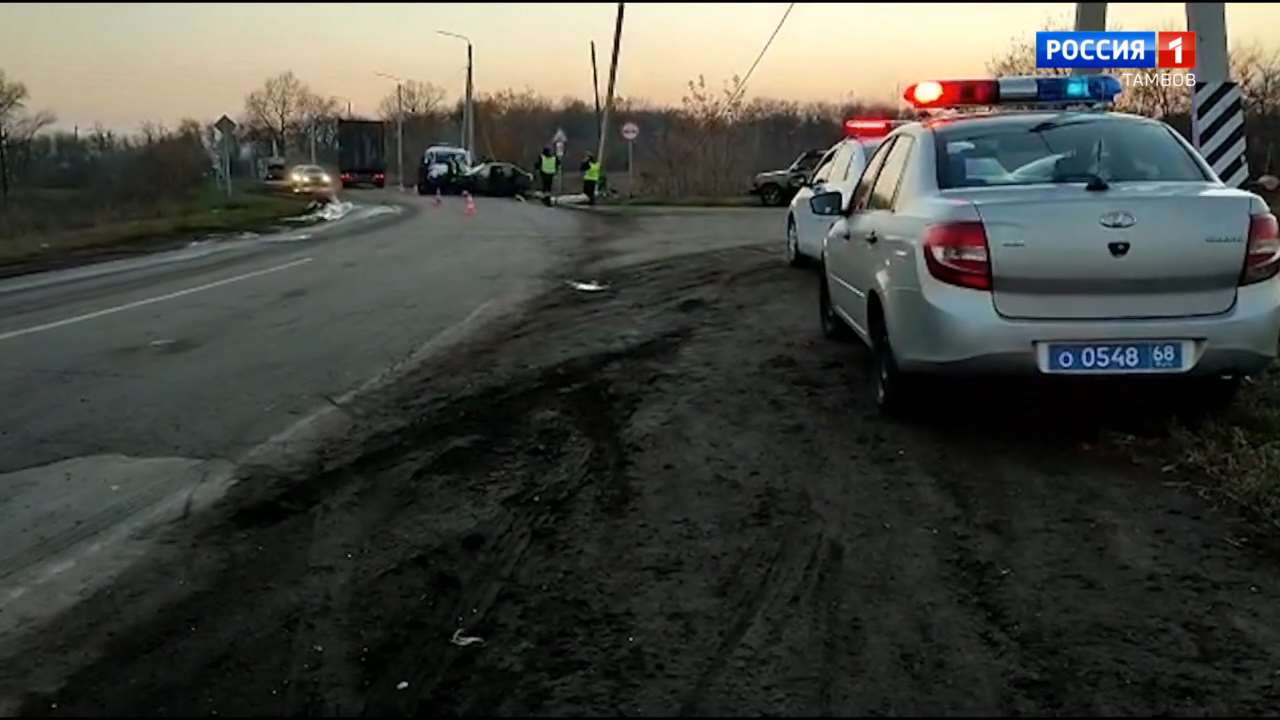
(866, 127)
(932, 93)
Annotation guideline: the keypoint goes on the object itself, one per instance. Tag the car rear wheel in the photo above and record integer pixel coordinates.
(894, 392)
(771, 195)
(832, 326)
(794, 257)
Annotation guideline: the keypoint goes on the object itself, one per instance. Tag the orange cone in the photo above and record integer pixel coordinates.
(471, 204)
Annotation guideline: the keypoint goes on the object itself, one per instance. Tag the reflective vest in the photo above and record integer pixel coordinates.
(549, 164)
(593, 172)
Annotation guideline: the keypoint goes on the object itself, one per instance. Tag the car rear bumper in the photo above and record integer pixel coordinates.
(956, 330)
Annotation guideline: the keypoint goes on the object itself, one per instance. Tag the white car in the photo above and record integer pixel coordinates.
(1048, 241)
(838, 170)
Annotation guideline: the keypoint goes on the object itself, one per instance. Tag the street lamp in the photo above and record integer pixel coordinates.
(469, 119)
(399, 124)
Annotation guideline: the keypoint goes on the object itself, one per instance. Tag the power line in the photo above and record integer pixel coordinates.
(742, 85)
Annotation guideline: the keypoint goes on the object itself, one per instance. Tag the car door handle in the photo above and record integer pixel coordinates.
(872, 238)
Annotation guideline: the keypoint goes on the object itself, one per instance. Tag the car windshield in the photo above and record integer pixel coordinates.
(1060, 150)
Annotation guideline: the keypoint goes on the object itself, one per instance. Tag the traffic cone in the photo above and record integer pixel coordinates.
(471, 204)
(438, 201)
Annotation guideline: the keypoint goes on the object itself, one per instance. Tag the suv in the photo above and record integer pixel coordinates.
(442, 168)
(776, 187)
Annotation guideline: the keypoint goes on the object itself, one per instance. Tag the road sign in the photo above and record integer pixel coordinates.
(559, 148)
(630, 131)
(225, 125)
(560, 138)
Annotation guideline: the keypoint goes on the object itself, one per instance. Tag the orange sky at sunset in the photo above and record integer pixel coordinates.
(124, 64)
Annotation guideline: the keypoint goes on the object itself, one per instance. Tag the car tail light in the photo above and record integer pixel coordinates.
(1262, 258)
(956, 253)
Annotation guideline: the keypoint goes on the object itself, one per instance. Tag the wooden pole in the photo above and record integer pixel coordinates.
(608, 100)
(595, 88)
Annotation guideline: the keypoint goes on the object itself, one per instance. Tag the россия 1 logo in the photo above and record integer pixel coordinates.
(1066, 49)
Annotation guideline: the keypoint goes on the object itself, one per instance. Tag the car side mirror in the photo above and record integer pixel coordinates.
(827, 203)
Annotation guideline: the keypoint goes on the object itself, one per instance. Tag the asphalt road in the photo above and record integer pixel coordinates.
(127, 385)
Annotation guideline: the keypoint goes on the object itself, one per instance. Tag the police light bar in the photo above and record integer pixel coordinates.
(868, 127)
(1013, 90)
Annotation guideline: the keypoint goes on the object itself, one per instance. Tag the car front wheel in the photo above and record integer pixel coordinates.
(794, 257)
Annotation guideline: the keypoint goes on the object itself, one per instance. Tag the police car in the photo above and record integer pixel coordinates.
(1047, 236)
(838, 170)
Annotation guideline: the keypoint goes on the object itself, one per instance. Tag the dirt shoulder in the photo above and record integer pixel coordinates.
(673, 496)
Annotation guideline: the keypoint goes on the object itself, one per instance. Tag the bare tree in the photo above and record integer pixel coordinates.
(317, 116)
(12, 96)
(1020, 58)
(17, 128)
(277, 108)
(418, 98)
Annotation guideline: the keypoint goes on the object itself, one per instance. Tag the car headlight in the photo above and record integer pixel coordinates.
(324, 178)
(297, 177)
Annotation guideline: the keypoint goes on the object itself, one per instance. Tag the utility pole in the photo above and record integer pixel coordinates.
(400, 133)
(471, 109)
(468, 109)
(595, 88)
(4, 169)
(608, 100)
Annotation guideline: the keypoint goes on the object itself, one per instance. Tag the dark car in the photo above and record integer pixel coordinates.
(501, 179)
(777, 187)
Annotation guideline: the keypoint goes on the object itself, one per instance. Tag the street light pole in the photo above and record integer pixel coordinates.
(400, 133)
(468, 110)
(399, 125)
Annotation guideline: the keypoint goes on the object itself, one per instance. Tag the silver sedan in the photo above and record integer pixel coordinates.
(1050, 242)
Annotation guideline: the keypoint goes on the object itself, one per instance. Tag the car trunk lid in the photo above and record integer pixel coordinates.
(1136, 250)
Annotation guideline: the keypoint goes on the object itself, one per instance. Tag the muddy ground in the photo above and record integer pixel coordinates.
(675, 497)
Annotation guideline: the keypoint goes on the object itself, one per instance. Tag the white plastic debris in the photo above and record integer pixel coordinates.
(592, 286)
(403, 684)
(464, 640)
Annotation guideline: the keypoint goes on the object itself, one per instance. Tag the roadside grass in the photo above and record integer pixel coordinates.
(49, 225)
(1233, 456)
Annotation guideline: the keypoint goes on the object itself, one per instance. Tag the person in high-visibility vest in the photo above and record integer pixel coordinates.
(590, 177)
(548, 164)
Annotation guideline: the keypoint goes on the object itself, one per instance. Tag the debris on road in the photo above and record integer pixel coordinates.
(323, 212)
(402, 685)
(593, 286)
(464, 640)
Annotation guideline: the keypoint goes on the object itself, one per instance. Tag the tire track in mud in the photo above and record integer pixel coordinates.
(672, 496)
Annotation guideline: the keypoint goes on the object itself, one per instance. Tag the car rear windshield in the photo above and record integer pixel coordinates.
(1061, 150)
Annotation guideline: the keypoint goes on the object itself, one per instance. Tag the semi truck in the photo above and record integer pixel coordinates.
(362, 157)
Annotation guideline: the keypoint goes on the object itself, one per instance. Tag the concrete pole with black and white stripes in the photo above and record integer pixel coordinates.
(1217, 106)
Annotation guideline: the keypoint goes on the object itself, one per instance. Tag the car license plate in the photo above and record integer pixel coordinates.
(1121, 357)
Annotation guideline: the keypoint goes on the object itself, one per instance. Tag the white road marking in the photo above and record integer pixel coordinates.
(148, 301)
